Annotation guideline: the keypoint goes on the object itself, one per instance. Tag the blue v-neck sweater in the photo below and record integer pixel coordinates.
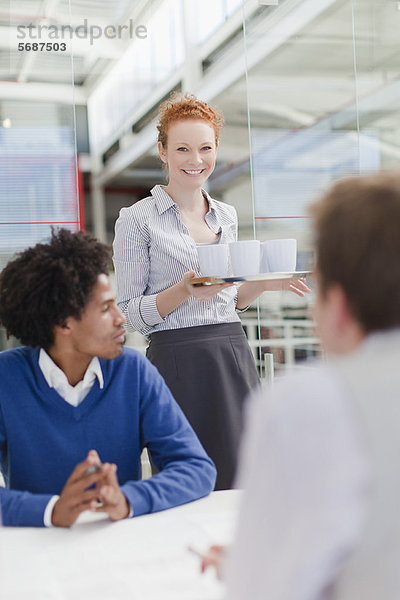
(43, 438)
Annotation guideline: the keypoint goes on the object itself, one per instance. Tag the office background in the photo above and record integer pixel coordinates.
(309, 88)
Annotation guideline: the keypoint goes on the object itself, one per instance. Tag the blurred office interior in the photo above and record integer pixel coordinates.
(310, 91)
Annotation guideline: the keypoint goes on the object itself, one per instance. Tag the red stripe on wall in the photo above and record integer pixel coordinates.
(41, 223)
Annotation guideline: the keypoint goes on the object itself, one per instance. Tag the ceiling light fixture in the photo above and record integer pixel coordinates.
(6, 123)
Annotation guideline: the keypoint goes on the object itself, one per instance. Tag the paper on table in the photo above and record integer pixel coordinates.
(24, 570)
(135, 560)
(144, 559)
(141, 559)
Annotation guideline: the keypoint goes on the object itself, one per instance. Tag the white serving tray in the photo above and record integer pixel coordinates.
(199, 281)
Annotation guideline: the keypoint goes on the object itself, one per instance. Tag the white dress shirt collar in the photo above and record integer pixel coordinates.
(57, 379)
(164, 201)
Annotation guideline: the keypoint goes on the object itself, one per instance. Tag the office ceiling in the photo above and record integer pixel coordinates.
(314, 70)
(82, 61)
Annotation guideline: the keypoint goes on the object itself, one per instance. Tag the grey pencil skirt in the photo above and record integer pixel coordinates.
(210, 371)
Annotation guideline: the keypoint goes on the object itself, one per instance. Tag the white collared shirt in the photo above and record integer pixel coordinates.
(57, 379)
(152, 251)
(308, 465)
(306, 477)
(74, 395)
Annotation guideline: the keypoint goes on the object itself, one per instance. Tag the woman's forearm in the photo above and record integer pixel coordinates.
(248, 292)
(169, 299)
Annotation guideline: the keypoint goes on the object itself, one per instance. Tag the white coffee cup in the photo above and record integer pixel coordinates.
(245, 257)
(264, 266)
(278, 256)
(213, 259)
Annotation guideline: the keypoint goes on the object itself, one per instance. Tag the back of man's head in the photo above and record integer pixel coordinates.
(47, 283)
(357, 225)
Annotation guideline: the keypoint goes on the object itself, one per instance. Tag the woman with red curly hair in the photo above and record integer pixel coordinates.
(196, 338)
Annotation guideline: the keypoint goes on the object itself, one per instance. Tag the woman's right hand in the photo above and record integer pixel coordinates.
(204, 292)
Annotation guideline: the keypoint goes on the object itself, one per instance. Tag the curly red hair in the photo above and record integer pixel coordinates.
(178, 108)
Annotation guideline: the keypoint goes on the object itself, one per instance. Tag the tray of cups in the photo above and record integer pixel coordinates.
(247, 260)
(275, 276)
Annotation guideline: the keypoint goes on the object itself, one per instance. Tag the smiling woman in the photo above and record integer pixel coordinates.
(190, 154)
(196, 338)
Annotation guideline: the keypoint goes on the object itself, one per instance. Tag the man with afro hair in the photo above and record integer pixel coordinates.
(76, 407)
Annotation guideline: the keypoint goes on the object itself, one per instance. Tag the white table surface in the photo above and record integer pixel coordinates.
(143, 558)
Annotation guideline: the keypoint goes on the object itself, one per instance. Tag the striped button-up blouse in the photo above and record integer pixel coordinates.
(152, 251)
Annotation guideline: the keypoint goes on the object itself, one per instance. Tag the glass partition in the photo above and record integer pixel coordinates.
(39, 174)
(155, 52)
(211, 14)
(309, 90)
(377, 67)
(322, 92)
